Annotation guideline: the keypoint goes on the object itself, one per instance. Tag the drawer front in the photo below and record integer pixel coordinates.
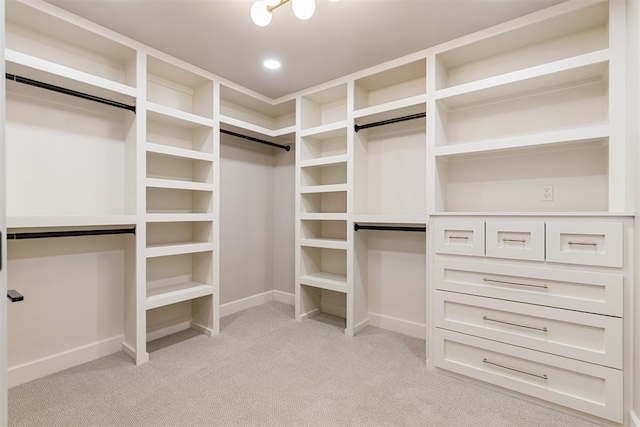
(575, 290)
(589, 337)
(459, 237)
(515, 240)
(582, 386)
(588, 243)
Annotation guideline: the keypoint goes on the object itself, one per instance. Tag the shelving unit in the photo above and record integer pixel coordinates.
(181, 269)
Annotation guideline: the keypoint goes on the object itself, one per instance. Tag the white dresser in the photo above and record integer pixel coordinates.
(534, 304)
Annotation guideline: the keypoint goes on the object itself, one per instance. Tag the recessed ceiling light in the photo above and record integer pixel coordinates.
(271, 64)
(333, 1)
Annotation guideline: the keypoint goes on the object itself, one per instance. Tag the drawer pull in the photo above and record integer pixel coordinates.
(519, 325)
(584, 243)
(514, 283)
(459, 237)
(543, 376)
(514, 240)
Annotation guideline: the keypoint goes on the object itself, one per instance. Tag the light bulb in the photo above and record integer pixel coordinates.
(271, 2)
(304, 9)
(260, 15)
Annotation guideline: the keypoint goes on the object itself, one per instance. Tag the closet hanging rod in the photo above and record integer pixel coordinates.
(250, 138)
(390, 121)
(75, 233)
(70, 92)
(357, 227)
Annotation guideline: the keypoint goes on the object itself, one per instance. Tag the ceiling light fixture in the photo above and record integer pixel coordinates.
(271, 64)
(262, 10)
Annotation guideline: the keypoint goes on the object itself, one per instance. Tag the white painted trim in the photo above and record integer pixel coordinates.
(284, 297)
(633, 419)
(360, 326)
(169, 330)
(58, 362)
(309, 315)
(334, 309)
(405, 327)
(245, 303)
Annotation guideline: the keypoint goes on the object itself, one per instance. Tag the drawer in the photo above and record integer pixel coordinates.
(582, 386)
(588, 243)
(515, 240)
(571, 289)
(584, 336)
(459, 237)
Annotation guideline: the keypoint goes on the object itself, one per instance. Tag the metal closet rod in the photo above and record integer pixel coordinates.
(250, 138)
(357, 227)
(75, 233)
(390, 121)
(65, 91)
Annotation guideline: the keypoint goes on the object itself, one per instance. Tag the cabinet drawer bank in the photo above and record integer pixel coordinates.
(582, 386)
(582, 336)
(592, 292)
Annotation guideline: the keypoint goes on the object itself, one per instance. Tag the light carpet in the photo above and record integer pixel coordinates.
(266, 369)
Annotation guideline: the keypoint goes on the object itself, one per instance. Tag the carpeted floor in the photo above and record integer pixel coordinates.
(266, 369)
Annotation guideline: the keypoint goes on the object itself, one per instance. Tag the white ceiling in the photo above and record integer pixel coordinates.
(341, 38)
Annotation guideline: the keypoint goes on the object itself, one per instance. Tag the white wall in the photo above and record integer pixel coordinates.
(284, 221)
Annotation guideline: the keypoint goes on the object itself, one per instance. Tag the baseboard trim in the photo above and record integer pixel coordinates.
(58, 362)
(245, 303)
(360, 326)
(309, 315)
(333, 309)
(405, 327)
(284, 297)
(169, 330)
(633, 419)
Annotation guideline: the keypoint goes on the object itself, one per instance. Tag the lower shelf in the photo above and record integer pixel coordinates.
(171, 294)
(332, 282)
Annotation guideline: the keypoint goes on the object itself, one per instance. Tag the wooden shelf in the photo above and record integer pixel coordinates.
(324, 243)
(186, 217)
(49, 72)
(178, 249)
(178, 185)
(543, 141)
(324, 131)
(168, 150)
(324, 216)
(176, 117)
(390, 219)
(332, 282)
(584, 68)
(334, 188)
(35, 221)
(171, 294)
(240, 124)
(402, 107)
(324, 161)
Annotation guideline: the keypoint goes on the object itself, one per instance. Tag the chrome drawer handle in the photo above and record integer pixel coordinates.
(458, 237)
(519, 325)
(514, 240)
(514, 283)
(543, 376)
(583, 243)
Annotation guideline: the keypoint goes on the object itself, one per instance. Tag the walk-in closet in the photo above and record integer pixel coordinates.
(426, 215)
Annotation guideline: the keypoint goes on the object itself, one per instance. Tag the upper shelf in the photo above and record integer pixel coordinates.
(36, 33)
(242, 110)
(568, 72)
(41, 221)
(325, 107)
(175, 117)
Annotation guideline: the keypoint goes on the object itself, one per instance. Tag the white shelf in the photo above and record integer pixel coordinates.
(166, 295)
(274, 133)
(334, 188)
(34, 68)
(34, 221)
(390, 219)
(538, 214)
(318, 131)
(177, 249)
(324, 161)
(324, 216)
(171, 116)
(168, 150)
(179, 185)
(324, 243)
(187, 217)
(394, 107)
(543, 140)
(332, 282)
(588, 67)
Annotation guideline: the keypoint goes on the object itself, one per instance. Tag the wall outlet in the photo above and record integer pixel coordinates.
(546, 193)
